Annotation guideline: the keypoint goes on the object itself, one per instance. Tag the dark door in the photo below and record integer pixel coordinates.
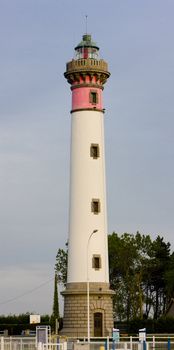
(98, 323)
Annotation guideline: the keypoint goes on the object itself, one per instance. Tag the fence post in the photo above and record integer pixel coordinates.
(2, 343)
(65, 345)
(130, 342)
(107, 343)
(168, 344)
(39, 346)
(153, 342)
(10, 343)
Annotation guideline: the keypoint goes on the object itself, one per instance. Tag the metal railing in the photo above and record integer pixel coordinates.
(17, 343)
(83, 64)
(52, 346)
(125, 343)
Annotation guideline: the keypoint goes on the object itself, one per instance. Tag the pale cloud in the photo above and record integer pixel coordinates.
(27, 288)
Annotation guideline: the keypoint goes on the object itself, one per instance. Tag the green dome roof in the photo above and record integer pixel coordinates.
(86, 42)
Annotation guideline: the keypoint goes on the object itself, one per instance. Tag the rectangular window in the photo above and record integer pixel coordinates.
(96, 262)
(95, 206)
(93, 97)
(94, 151)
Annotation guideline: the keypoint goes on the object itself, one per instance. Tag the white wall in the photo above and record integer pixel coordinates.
(87, 182)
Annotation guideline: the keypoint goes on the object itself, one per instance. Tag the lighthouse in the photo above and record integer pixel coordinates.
(88, 309)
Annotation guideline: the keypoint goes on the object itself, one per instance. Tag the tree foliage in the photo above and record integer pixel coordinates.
(55, 314)
(61, 265)
(127, 254)
(139, 275)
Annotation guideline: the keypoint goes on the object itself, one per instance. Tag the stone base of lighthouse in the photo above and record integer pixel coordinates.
(75, 310)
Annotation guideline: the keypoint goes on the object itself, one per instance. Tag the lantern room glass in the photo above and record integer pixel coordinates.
(86, 52)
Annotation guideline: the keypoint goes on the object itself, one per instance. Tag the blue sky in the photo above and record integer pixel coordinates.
(37, 38)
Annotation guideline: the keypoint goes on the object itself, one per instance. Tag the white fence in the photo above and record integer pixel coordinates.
(52, 346)
(126, 343)
(17, 343)
(27, 343)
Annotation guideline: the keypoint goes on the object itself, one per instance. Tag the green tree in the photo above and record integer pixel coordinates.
(55, 314)
(156, 276)
(61, 270)
(169, 280)
(127, 254)
(61, 265)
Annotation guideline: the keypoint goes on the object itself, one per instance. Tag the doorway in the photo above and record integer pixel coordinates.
(98, 324)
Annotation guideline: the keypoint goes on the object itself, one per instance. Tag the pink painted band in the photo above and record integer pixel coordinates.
(82, 97)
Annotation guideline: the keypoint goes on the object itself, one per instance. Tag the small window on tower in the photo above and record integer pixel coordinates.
(95, 206)
(96, 262)
(93, 97)
(94, 151)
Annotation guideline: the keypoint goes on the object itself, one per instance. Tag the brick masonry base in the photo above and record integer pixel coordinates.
(75, 308)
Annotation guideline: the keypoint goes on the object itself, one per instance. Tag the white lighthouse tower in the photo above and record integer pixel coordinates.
(87, 298)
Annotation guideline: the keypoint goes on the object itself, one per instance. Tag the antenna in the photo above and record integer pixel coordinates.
(86, 22)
